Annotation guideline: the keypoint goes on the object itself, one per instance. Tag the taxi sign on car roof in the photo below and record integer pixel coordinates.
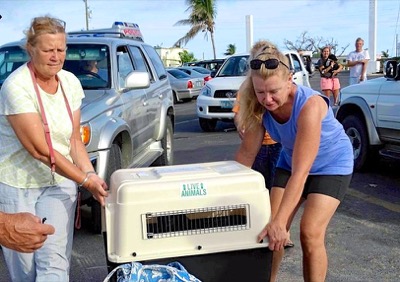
(118, 29)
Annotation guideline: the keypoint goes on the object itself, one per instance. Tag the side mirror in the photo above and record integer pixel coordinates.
(137, 80)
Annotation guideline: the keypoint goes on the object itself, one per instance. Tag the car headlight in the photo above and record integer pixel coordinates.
(85, 133)
(206, 91)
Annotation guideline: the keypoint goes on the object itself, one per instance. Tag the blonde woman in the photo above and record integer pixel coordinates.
(316, 162)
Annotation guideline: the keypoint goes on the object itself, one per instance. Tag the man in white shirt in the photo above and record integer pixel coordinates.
(357, 61)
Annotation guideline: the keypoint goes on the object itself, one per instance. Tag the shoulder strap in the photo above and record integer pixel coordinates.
(45, 123)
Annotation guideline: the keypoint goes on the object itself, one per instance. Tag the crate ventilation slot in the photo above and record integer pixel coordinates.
(196, 221)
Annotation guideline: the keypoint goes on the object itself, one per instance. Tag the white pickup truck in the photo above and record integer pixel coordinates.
(217, 97)
(370, 114)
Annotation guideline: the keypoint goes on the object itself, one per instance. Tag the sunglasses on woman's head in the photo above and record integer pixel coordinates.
(269, 64)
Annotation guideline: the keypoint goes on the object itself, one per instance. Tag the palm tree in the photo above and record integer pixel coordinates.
(201, 18)
(230, 50)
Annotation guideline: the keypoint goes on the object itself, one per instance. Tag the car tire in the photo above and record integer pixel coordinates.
(113, 164)
(310, 68)
(357, 132)
(208, 125)
(167, 143)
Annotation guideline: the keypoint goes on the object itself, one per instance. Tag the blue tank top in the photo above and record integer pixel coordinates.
(335, 153)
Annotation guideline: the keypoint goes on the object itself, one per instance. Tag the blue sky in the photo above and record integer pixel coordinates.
(342, 20)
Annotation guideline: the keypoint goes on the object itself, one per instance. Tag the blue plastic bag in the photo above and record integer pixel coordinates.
(137, 272)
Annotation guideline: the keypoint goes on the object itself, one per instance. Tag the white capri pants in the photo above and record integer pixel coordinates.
(57, 204)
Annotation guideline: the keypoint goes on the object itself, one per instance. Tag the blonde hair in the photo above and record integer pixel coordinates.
(250, 110)
(43, 25)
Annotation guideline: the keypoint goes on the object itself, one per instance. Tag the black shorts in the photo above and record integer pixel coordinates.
(331, 185)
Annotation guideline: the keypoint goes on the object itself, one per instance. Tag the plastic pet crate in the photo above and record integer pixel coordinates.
(206, 216)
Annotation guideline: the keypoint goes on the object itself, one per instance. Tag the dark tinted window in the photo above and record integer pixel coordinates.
(202, 70)
(234, 66)
(296, 63)
(140, 61)
(90, 63)
(11, 58)
(178, 73)
(157, 63)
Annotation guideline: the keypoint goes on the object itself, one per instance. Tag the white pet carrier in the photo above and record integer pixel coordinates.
(206, 216)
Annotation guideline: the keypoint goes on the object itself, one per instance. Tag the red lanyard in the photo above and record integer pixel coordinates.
(45, 123)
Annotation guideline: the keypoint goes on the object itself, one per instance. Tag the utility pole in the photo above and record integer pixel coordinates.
(87, 13)
(373, 64)
(249, 32)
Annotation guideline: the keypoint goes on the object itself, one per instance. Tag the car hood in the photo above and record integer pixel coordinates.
(97, 102)
(221, 83)
(371, 86)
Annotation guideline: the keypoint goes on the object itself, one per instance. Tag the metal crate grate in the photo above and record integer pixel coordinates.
(196, 221)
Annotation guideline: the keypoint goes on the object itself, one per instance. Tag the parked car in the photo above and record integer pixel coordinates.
(219, 94)
(184, 87)
(370, 115)
(212, 65)
(127, 115)
(195, 71)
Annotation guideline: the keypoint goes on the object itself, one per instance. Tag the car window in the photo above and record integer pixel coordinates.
(202, 70)
(140, 62)
(125, 65)
(11, 58)
(212, 65)
(185, 70)
(296, 63)
(178, 73)
(90, 63)
(235, 66)
(156, 60)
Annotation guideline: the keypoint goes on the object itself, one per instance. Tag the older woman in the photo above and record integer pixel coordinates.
(42, 157)
(316, 161)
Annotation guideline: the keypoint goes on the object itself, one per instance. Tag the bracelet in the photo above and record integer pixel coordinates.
(84, 181)
(86, 178)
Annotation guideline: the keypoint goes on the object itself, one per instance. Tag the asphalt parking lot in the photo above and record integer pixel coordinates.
(363, 238)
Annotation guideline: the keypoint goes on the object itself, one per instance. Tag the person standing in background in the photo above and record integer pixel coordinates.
(357, 61)
(329, 67)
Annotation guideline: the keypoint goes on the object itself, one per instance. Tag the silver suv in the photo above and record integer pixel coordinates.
(127, 113)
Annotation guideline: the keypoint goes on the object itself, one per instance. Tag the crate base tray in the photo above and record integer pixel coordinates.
(242, 265)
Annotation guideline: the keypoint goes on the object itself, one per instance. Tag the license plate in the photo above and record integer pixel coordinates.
(227, 104)
(199, 83)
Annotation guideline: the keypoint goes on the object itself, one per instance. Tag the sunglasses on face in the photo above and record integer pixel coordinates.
(269, 64)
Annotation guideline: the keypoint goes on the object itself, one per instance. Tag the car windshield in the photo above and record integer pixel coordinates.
(234, 66)
(202, 70)
(11, 58)
(89, 62)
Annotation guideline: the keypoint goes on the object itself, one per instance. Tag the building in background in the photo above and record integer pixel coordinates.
(170, 56)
